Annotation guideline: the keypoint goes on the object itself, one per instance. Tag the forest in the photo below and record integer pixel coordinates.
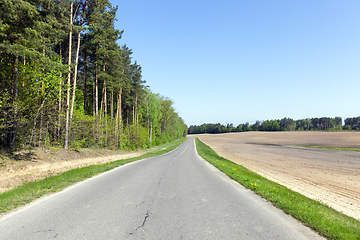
(65, 81)
(285, 124)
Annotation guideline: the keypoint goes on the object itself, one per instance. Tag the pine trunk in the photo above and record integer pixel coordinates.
(41, 126)
(136, 121)
(59, 112)
(136, 111)
(96, 98)
(105, 106)
(117, 123)
(112, 116)
(100, 115)
(133, 115)
(75, 79)
(84, 90)
(16, 93)
(118, 120)
(150, 132)
(112, 108)
(120, 114)
(60, 101)
(105, 110)
(66, 144)
(42, 111)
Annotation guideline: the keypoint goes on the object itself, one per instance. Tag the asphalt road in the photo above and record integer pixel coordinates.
(174, 196)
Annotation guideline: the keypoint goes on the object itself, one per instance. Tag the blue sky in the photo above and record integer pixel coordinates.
(247, 60)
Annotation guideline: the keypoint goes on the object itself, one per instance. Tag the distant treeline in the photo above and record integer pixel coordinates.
(285, 124)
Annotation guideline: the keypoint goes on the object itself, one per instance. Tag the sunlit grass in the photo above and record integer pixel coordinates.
(323, 219)
(329, 148)
(32, 190)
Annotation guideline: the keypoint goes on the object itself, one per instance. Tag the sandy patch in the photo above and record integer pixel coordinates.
(38, 164)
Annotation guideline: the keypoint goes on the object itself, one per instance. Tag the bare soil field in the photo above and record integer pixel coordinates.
(329, 176)
(37, 164)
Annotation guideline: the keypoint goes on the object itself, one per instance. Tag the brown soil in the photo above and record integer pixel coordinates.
(40, 163)
(329, 176)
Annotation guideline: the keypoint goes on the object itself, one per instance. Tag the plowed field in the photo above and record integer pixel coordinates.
(329, 176)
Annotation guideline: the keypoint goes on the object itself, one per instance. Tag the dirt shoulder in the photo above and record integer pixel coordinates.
(39, 163)
(332, 177)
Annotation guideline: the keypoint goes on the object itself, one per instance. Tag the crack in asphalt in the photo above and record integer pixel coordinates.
(44, 231)
(50, 230)
(143, 224)
(163, 175)
(140, 204)
(151, 201)
(147, 215)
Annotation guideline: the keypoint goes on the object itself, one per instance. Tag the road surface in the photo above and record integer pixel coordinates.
(174, 196)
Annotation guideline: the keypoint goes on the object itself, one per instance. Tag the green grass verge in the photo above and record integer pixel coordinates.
(323, 219)
(330, 148)
(32, 190)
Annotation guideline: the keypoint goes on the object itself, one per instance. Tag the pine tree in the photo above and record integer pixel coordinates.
(47, 57)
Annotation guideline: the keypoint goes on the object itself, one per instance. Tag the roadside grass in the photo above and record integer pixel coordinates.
(30, 191)
(329, 148)
(323, 219)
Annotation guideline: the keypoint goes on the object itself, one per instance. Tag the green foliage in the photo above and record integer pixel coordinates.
(321, 218)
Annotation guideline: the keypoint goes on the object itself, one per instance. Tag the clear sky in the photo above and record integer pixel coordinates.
(246, 60)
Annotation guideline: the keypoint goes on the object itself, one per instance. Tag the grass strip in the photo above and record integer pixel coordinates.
(30, 191)
(323, 219)
(330, 148)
